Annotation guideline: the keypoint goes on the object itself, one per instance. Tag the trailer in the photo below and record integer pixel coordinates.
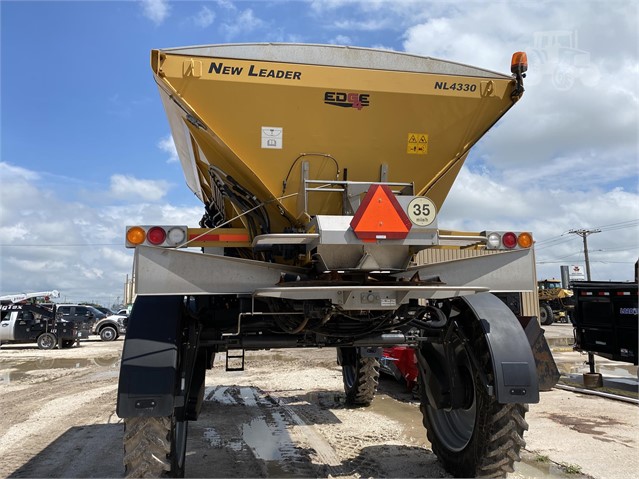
(322, 170)
(606, 320)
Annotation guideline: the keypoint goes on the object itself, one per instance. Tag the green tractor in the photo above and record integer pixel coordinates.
(555, 303)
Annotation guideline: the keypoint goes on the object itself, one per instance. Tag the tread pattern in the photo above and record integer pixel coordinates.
(147, 446)
(498, 432)
(363, 390)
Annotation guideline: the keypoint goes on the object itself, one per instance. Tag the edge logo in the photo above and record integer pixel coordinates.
(347, 100)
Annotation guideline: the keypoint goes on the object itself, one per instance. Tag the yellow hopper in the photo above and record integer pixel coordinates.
(262, 113)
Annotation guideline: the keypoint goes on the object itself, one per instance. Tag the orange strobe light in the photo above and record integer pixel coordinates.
(519, 62)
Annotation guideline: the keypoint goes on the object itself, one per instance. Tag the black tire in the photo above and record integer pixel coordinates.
(360, 375)
(545, 314)
(47, 341)
(154, 446)
(108, 333)
(483, 438)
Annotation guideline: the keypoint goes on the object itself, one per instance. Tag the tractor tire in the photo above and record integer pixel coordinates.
(361, 377)
(154, 447)
(545, 314)
(47, 341)
(483, 438)
(108, 333)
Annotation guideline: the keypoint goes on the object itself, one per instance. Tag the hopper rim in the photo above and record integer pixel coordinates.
(293, 53)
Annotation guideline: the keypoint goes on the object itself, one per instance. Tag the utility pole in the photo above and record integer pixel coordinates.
(584, 234)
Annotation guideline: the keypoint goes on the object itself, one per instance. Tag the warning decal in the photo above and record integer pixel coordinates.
(417, 144)
(272, 137)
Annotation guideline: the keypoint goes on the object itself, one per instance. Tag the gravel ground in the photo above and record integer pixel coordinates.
(283, 416)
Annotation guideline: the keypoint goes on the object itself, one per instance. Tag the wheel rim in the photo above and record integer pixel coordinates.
(455, 427)
(108, 334)
(47, 342)
(350, 374)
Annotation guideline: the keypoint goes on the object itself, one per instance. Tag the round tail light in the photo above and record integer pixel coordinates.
(156, 235)
(494, 240)
(509, 240)
(176, 236)
(135, 235)
(525, 240)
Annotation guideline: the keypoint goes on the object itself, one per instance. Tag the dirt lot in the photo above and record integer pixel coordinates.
(282, 417)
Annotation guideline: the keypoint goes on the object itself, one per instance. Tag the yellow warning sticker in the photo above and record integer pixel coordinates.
(417, 144)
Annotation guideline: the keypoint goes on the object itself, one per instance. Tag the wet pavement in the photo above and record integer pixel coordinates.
(284, 432)
(618, 377)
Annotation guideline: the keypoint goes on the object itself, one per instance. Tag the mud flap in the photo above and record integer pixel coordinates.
(547, 372)
(148, 372)
(512, 358)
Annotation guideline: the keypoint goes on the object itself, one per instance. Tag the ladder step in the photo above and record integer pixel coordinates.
(230, 357)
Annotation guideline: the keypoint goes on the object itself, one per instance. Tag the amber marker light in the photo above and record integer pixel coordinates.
(525, 240)
(135, 235)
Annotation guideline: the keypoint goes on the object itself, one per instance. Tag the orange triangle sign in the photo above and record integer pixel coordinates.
(380, 216)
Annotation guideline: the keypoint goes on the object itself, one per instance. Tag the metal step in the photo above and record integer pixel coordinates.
(236, 358)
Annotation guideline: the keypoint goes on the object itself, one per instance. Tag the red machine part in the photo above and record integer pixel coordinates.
(403, 358)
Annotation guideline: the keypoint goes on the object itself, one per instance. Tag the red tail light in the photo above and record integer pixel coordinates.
(156, 235)
(509, 240)
(169, 236)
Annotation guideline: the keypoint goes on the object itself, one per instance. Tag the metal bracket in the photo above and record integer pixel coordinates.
(230, 356)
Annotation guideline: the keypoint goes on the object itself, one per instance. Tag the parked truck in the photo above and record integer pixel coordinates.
(24, 321)
(322, 170)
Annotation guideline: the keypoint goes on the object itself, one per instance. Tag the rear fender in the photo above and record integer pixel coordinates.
(515, 374)
(148, 372)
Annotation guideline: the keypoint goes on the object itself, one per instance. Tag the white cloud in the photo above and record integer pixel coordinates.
(204, 18)
(570, 144)
(341, 40)
(167, 145)
(13, 233)
(127, 187)
(10, 172)
(244, 22)
(478, 202)
(72, 246)
(156, 10)
(226, 4)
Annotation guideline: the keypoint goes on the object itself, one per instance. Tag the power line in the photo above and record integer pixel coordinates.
(562, 237)
(584, 234)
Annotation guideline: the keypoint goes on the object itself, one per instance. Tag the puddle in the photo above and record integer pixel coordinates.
(16, 371)
(577, 364)
(410, 417)
(406, 414)
(265, 441)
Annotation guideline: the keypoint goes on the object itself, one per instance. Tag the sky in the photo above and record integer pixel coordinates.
(86, 149)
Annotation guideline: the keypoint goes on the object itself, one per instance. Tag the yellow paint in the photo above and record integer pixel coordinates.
(417, 144)
(371, 130)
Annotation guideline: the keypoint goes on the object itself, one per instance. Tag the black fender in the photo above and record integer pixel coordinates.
(515, 372)
(148, 381)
